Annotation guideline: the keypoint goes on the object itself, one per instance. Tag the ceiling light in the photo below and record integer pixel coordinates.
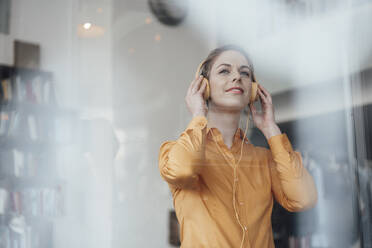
(157, 37)
(87, 25)
(148, 20)
(88, 30)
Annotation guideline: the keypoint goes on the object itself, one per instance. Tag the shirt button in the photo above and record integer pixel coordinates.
(241, 203)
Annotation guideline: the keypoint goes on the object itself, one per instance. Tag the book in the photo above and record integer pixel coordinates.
(4, 123)
(32, 130)
(20, 89)
(6, 90)
(37, 89)
(14, 123)
(4, 237)
(19, 164)
(46, 92)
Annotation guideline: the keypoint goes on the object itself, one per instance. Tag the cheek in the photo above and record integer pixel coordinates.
(217, 86)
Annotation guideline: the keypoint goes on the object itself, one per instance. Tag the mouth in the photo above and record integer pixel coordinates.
(235, 90)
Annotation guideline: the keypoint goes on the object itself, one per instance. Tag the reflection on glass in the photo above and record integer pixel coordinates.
(89, 90)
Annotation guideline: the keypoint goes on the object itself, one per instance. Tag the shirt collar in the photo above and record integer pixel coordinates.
(239, 134)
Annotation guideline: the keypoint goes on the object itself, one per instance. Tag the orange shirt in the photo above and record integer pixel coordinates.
(201, 181)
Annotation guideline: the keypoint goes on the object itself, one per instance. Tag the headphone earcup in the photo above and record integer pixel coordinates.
(254, 93)
(207, 91)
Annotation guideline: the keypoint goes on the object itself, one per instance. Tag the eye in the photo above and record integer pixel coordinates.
(224, 71)
(245, 73)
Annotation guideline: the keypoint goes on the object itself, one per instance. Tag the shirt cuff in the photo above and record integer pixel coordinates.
(280, 143)
(199, 121)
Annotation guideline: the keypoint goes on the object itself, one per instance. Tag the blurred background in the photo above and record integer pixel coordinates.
(91, 88)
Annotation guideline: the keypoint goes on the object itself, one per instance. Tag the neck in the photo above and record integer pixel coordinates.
(227, 122)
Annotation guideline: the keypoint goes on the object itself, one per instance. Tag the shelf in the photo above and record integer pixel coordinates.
(27, 72)
(30, 219)
(48, 122)
(37, 108)
(14, 182)
(26, 144)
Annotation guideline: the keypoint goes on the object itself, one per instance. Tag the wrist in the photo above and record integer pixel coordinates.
(200, 113)
(271, 131)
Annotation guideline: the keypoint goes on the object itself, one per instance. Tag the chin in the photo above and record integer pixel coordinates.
(231, 105)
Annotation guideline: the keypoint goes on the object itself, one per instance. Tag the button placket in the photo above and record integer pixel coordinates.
(231, 160)
(240, 202)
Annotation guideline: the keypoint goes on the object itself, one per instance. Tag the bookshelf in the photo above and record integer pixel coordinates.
(31, 132)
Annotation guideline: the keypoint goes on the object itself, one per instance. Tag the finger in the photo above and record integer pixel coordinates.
(192, 85)
(202, 87)
(267, 99)
(195, 83)
(189, 89)
(267, 94)
(253, 109)
(262, 96)
(263, 90)
(197, 76)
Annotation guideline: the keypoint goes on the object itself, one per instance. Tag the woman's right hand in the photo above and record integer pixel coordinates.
(194, 97)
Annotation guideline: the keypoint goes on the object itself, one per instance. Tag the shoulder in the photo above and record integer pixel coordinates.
(165, 146)
(259, 152)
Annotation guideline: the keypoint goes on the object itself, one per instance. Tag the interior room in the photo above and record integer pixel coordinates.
(91, 90)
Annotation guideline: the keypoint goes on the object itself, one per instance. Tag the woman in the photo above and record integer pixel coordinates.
(222, 197)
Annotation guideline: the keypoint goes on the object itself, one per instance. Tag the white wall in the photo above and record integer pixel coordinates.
(150, 79)
(82, 74)
(81, 66)
(48, 23)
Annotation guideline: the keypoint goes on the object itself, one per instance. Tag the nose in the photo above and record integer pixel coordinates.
(236, 76)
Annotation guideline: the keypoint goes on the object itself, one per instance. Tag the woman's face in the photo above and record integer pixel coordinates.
(230, 69)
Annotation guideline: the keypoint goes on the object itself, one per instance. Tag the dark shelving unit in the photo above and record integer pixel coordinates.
(28, 143)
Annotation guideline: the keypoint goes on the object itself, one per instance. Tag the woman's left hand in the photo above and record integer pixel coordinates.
(265, 120)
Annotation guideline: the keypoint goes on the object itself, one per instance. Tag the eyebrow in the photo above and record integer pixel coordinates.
(241, 67)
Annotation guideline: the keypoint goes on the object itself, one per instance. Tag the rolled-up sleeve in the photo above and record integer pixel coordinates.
(292, 185)
(180, 161)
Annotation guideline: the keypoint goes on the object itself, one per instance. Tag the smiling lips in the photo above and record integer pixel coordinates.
(236, 90)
